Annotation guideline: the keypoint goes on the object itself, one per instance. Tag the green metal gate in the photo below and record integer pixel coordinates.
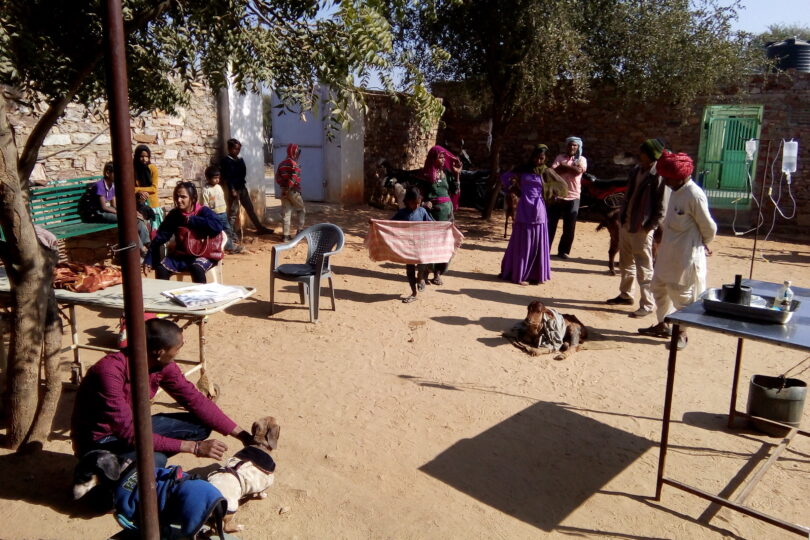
(722, 167)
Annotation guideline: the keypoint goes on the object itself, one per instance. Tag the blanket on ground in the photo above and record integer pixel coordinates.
(412, 242)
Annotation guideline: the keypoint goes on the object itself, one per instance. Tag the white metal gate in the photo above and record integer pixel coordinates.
(308, 134)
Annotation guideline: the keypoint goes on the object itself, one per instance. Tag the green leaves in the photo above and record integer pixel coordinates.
(54, 48)
(519, 53)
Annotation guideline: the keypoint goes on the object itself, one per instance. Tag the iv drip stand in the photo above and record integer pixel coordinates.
(761, 201)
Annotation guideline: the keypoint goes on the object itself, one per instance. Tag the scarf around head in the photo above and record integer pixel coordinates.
(292, 151)
(677, 166)
(579, 147)
(430, 171)
(143, 176)
(529, 166)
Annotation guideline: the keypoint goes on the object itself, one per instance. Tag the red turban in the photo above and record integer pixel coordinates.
(676, 166)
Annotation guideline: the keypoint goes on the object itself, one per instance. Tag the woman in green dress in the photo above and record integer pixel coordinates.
(440, 179)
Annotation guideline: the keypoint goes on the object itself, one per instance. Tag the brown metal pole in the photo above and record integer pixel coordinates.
(118, 99)
(759, 210)
(735, 383)
(662, 451)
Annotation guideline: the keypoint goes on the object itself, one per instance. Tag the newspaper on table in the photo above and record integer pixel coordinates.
(203, 294)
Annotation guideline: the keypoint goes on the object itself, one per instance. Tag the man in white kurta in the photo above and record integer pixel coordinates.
(680, 269)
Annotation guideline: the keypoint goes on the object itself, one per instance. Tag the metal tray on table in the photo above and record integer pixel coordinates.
(757, 311)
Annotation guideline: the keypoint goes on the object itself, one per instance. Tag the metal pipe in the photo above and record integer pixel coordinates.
(792, 527)
(732, 407)
(117, 92)
(662, 451)
(759, 209)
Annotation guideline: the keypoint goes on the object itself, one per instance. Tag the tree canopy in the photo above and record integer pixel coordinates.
(513, 55)
(51, 50)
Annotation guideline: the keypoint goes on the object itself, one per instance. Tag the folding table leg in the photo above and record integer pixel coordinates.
(662, 453)
(732, 408)
(76, 369)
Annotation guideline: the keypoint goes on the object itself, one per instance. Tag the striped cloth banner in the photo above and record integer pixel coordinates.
(412, 242)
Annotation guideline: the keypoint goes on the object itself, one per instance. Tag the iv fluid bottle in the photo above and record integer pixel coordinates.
(784, 298)
(790, 154)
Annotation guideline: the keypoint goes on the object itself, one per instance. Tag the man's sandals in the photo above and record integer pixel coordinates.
(661, 330)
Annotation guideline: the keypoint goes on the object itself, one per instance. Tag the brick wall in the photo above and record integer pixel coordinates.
(391, 133)
(607, 129)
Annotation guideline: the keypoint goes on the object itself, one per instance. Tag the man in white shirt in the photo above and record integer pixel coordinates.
(680, 268)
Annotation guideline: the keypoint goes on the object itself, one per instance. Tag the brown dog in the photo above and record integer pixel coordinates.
(536, 334)
(250, 471)
(510, 202)
(611, 222)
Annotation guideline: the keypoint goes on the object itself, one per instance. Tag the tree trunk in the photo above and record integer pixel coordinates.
(498, 131)
(53, 374)
(29, 266)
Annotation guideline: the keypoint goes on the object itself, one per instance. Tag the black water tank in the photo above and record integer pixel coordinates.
(792, 53)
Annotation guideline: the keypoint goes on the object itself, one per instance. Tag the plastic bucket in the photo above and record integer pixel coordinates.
(778, 399)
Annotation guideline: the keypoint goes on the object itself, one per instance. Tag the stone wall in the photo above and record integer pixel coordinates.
(391, 133)
(608, 129)
(79, 144)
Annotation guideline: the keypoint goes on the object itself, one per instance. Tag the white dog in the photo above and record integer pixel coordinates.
(250, 471)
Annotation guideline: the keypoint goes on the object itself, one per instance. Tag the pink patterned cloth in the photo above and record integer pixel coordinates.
(412, 242)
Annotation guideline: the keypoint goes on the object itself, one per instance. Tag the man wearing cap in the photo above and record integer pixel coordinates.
(680, 268)
(641, 214)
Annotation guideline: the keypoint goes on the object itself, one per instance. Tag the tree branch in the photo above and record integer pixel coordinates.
(57, 107)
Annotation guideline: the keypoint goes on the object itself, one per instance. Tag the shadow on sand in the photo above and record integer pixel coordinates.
(44, 478)
(548, 459)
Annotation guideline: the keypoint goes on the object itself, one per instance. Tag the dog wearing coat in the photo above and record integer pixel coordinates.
(250, 471)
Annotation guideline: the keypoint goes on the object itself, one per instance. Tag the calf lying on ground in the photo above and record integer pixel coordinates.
(546, 330)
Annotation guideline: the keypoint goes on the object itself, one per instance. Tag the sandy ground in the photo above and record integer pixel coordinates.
(421, 421)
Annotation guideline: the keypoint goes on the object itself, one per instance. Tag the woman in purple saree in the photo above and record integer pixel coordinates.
(527, 256)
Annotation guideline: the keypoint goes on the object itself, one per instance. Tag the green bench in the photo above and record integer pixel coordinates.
(55, 207)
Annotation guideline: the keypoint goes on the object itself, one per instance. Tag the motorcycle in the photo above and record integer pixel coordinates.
(393, 183)
(602, 196)
(474, 184)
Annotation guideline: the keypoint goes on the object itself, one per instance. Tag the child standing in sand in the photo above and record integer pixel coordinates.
(413, 211)
(214, 198)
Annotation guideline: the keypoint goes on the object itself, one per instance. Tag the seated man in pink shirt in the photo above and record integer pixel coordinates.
(102, 415)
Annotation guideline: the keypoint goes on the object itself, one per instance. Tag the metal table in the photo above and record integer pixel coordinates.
(113, 298)
(794, 335)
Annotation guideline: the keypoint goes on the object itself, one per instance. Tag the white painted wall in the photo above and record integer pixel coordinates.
(246, 125)
(344, 158)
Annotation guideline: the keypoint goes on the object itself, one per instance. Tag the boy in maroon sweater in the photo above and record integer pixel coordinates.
(102, 415)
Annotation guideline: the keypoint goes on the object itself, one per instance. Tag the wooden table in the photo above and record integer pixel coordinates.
(113, 298)
(794, 335)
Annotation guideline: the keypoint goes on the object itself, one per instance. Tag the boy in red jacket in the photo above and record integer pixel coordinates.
(288, 176)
